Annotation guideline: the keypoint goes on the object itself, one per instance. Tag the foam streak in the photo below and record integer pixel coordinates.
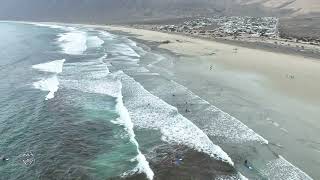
(53, 66)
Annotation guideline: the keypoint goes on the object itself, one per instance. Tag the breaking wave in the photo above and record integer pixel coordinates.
(53, 66)
(125, 120)
(151, 112)
(73, 42)
(50, 84)
(282, 169)
(125, 50)
(95, 78)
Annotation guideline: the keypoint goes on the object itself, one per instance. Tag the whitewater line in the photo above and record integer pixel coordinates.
(96, 79)
(282, 169)
(250, 134)
(51, 25)
(125, 120)
(159, 115)
(73, 42)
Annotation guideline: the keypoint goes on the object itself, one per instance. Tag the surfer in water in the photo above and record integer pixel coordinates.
(178, 160)
(3, 158)
(246, 164)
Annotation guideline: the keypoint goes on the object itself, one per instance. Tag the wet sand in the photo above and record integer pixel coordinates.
(274, 94)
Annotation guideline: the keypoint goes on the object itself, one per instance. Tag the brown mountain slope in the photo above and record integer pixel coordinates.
(297, 7)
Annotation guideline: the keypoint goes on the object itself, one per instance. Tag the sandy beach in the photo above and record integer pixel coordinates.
(274, 94)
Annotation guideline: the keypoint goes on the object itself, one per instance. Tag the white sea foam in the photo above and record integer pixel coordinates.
(50, 84)
(53, 66)
(159, 115)
(125, 120)
(242, 177)
(175, 128)
(214, 122)
(149, 111)
(93, 86)
(281, 169)
(134, 45)
(238, 176)
(94, 42)
(107, 35)
(92, 77)
(124, 58)
(138, 69)
(73, 42)
(53, 26)
(124, 49)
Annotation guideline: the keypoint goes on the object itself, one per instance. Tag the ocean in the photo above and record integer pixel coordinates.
(74, 105)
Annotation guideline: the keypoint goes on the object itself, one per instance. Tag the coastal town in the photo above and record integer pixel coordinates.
(224, 26)
(266, 30)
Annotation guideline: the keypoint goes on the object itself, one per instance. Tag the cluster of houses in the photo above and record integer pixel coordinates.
(222, 26)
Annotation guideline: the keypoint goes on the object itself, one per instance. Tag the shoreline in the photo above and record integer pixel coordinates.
(246, 88)
(259, 44)
(282, 45)
(190, 68)
(182, 45)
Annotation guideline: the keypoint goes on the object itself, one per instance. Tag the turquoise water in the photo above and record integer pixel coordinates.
(72, 135)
